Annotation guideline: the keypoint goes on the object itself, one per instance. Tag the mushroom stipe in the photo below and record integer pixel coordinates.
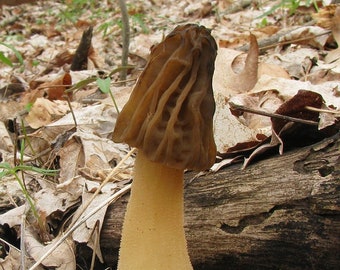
(169, 118)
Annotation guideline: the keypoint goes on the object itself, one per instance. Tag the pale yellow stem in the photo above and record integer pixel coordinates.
(153, 236)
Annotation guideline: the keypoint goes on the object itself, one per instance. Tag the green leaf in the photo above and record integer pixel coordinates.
(5, 166)
(6, 169)
(17, 54)
(29, 106)
(139, 19)
(81, 84)
(104, 84)
(5, 60)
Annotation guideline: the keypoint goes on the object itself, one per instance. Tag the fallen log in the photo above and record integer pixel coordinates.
(279, 213)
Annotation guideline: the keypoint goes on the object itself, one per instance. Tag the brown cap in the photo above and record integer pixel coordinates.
(169, 115)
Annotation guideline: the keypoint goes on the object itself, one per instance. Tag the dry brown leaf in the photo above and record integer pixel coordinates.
(288, 88)
(233, 76)
(9, 110)
(6, 143)
(267, 101)
(44, 111)
(291, 61)
(272, 70)
(329, 18)
(55, 205)
(13, 216)
(71, 158)
(56, 89)
(86, 232)
(11, 261)
(228, 130)
(294, 107)
(53, 90)
(62, 258)
(90, 155)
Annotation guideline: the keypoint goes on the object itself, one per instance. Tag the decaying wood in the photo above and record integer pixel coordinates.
(279, 213)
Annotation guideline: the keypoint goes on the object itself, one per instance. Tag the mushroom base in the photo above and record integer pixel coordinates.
(153, 235)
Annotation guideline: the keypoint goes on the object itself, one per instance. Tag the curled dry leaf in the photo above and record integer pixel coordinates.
(52, 90)
(294, 107)
(87, 232)
(233, 77)
(55, 206)
(44, 112)
(56, 89)
(230, 78)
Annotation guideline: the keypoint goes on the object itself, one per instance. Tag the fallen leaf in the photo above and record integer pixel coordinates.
(294, 107)
(6, 142)
(62, 258)
(233, 75)
(12, 260)
(55, 206)
(85, 233)
(13, 216)
(44, 111)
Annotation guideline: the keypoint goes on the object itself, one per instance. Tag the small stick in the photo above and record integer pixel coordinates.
(96, 233)
(126, 37)
(273, 115)
(321, 110)
(22, 242)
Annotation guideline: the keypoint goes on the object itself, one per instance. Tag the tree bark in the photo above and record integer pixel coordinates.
(279, 213)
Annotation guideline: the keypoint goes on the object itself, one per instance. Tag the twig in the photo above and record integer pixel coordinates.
(9, 244)
(22, 242)
(322, 110)
(273, 41)
(71, 110)
(126, 38)
(273, 115)
(96, 233)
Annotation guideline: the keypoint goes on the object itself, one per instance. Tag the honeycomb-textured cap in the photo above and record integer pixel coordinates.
(169, 115)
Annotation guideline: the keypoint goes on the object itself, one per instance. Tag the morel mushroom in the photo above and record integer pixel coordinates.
(169, 118)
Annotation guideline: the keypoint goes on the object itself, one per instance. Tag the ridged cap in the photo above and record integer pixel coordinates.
(169, 115)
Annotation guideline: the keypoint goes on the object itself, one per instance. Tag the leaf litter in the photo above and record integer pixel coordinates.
(298, 65)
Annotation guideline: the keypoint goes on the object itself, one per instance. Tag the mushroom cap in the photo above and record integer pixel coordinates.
(169, 115)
